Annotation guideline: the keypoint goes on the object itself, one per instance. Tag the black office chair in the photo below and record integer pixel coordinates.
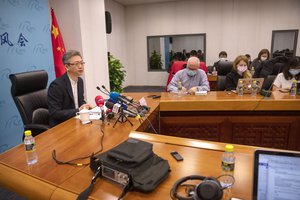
(221, 83)
(268, 82)
(224, 67)
(30, 96)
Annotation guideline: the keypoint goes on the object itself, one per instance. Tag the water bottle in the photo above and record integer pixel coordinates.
(293, 90)
(29, 143)
(254, 88)
(240, 88)
(179, 89)
(227, 164)
(252, 71)
(214, 72)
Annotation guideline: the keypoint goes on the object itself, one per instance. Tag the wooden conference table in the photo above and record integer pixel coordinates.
(71, 139)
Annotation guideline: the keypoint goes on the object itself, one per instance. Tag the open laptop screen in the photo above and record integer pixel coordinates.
(276, 175)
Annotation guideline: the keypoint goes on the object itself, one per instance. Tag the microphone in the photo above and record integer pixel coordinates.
(117, 108)
(117, 97)
(100, 103)
(104, 88)
(98, 88)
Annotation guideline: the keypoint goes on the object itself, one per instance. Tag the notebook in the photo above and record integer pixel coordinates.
(276, 175)
(247, 82)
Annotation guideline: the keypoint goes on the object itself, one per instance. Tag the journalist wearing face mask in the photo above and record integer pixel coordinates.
(222, 58)
(239, 70)
(263, 55)
(284, 80)
(192, 78)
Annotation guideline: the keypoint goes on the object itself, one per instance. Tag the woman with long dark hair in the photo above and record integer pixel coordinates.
(284, 80)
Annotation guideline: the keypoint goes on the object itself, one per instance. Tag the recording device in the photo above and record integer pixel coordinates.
(208, 189)
(114, 175)
(177, 156)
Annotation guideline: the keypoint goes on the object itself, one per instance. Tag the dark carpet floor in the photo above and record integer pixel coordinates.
(144, 88)
(9, 195)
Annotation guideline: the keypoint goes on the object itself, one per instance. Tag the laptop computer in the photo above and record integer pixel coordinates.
(276, 175)
(247, 83)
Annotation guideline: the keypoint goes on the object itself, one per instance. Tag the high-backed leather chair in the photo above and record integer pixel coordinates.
(224, 67)
(221, 83)
(30, 96)
(268, 82)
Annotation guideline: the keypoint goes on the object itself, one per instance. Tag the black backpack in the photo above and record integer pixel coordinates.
(134, 161)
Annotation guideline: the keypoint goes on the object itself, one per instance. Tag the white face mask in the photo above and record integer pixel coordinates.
(242, 68)
(222, 59)
(263, 58)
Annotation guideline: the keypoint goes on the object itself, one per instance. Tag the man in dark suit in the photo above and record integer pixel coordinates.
(66, 93)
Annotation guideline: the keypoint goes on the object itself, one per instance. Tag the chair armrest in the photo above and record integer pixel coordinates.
(36, 128)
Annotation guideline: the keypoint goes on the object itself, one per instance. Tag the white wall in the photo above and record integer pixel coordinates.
(82, 24)
(116, 41)
(237, 26)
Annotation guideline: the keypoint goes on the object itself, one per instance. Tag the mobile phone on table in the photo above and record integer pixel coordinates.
(176, 155)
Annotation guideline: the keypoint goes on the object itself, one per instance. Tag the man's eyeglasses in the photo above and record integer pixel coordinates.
(77, 64)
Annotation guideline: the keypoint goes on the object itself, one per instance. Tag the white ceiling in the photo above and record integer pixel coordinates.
(135, 2)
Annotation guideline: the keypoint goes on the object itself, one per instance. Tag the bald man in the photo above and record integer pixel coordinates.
(192, 78)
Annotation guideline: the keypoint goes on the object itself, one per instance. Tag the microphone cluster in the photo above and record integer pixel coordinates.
(118, 103)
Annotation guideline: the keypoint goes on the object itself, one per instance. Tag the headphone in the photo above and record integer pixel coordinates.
(209, 189)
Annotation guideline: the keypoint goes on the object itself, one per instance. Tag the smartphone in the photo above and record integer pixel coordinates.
(176, 155)
(156, 97)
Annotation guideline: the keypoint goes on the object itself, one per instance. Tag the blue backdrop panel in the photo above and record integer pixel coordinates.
(25, 46)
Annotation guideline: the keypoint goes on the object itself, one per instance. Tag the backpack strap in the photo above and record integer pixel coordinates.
(124, 191)
(85, 194)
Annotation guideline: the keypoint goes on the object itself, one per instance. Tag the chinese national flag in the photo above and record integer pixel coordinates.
(58, 47)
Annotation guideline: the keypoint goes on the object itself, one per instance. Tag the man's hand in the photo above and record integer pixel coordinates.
(183, 89)
(86, 106)
(193, 90)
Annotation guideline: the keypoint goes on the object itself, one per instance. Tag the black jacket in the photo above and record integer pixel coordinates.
(271, 67)
(61, 101)
(232, 79)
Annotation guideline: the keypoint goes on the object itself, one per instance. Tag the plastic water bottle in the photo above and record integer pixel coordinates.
(214, 72)
(179, 89)
(240, 88)
(293, 90)
(254, 88)
(29, 143)
(252, 71)
(227, 164)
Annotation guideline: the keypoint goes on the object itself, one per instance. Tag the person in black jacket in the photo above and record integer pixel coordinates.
(263, 55)
(66, 93)
(222, 58)
(239, 70)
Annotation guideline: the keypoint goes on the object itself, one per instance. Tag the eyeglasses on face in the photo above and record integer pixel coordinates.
(77, 64)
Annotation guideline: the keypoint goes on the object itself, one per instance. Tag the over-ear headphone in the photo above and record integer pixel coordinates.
(209, 189)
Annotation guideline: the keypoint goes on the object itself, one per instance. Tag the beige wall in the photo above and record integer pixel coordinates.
(82, 24)
(237, 26)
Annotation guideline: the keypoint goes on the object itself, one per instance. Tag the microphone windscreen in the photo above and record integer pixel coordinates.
(99, 101)
(109, 104)
(114, 96)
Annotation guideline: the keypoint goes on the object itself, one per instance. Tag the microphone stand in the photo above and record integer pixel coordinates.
(122, 118)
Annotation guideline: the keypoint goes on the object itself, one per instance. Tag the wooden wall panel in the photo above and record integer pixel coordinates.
(275, 130)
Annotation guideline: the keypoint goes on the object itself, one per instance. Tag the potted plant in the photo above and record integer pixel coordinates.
(155, 60)
(116, 74)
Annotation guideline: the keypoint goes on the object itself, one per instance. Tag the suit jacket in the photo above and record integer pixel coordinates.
(61, 101)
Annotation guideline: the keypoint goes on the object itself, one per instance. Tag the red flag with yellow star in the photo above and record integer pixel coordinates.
(58, 47)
